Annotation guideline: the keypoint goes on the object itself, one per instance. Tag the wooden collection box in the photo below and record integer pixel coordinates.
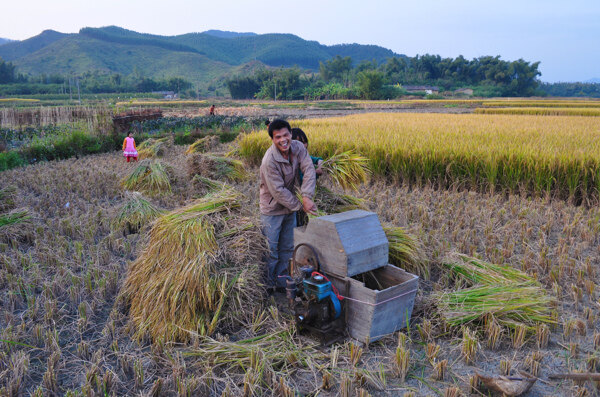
(380, 301)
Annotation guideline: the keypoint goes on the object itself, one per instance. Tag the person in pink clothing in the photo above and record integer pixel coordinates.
(129, 149)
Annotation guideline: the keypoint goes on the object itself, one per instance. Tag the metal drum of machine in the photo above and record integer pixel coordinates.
(350, 251)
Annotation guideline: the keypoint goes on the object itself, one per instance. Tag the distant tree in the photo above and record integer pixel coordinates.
(7, 72)
(370, 83)
(177, 84)
(366, 65)
(285, 83)
(337, 69)
(243, 87)
(523, 78)
(571, 89)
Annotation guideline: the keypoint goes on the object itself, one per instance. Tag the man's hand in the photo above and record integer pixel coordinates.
(319, 170)
(309, 206)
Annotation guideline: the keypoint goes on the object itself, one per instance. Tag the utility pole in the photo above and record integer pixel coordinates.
(78, 93)
(70, 90)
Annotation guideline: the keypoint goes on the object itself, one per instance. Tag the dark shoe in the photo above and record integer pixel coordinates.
(281, 290)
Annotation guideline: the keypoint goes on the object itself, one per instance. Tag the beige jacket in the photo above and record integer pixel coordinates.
(279, 178)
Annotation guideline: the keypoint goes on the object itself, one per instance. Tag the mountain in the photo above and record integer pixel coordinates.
(4, 41)
(205, 58)
(18, 49)
(226, 34)
(595, 80)
(80, 54)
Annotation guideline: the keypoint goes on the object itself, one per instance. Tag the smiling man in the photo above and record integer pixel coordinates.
(279, 180)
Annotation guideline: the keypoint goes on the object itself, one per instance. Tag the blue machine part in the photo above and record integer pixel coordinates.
(337, 306)
(321, 289)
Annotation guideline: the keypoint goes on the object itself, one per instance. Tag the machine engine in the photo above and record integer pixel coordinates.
(316, 306)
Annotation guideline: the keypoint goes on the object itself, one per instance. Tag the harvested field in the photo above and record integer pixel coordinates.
(64, 330)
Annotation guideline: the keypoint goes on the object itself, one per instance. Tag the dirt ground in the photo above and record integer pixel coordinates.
(62, 330)
(291, 113)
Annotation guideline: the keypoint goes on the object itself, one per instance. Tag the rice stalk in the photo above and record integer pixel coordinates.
(406, 252)
(401, 362)
(469, 345)
(148, 176)
(347, 169)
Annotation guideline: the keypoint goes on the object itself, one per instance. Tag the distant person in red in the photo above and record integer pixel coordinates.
(211, 111)
(129, 149)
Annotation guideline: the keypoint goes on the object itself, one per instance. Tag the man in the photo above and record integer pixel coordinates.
(279, 179)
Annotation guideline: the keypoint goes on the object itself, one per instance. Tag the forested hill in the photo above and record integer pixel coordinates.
(19, 49)
(106, 49)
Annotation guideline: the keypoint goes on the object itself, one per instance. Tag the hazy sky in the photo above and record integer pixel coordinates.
(563, 35)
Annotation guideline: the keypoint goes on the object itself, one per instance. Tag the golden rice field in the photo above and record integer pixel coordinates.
(543, 111)
(2, 100)
(512, 102)
(544, 103)
(555, 155)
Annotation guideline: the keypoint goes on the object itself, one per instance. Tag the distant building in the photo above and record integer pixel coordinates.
(464, 91)
(428, 89)
(166, 94)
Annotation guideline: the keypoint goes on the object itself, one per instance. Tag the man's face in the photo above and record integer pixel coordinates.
(282, 139)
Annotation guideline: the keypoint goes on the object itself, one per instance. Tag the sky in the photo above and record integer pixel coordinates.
(563, 35)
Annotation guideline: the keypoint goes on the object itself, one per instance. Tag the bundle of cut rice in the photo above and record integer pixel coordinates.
(135, 213)
(347, 169)
(203, 145)
(330, 202)
(203, 186)
(7, 198)
(199, 270)
(476, 271)
(216, 167)
(406, 252)
(154, 147)
(16, 225)
(149, 176)
(511, 305)
(502, 293)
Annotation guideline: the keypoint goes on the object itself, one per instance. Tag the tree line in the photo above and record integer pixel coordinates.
(93, 82)
(591, 90)
(338, 78)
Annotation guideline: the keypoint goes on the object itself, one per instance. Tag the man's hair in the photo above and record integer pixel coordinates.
(278, 124)
(267, 122)
(299, 135)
